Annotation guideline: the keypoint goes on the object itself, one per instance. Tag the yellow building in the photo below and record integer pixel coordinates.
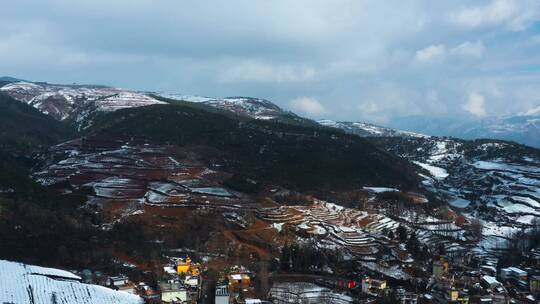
(187, 267)
(183, 266)
(456, 296)
(238, 281)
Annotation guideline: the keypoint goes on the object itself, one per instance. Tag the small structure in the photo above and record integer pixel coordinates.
(222, 294)
(513, 273)
(147, 293)
(122, 283)
(173, 292)
(457, 296)
(440, 268)
(238, 281)
(534, 284)
(191, 282)
(373, 286)
(404, 297)
(490, 282)
(186, 267)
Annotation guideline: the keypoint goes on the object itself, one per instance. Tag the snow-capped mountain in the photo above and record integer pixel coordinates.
(366, 129)
(23, 284)
(75, 103)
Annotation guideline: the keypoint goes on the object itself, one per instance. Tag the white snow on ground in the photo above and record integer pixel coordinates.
(499, 165)
(190, 98)
(302, 292)
(381, 189)
(27, 284)
(437, 172)
(459, 202)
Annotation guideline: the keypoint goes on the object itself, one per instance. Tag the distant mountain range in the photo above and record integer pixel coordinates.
(523, 128)
(78, 104)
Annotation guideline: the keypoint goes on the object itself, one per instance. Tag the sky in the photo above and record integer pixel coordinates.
(341, 59)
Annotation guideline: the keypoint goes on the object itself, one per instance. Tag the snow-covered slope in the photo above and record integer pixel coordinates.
(28, 284)
(494, 180)
(366, 129)
(74, 102)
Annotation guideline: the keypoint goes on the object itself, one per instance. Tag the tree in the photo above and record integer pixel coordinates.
(441, 249)
(285, 257)
(402, 233)
(476, 228)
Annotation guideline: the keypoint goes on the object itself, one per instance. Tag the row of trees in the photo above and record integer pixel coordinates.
(306, 258)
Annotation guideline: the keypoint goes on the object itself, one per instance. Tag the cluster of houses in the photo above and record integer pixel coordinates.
(179, 284)
(485, 284)
(236, 287)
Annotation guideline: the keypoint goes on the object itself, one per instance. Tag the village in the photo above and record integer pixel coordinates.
(449, 280)
(378, 245)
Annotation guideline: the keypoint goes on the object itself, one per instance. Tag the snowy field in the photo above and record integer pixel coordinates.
(27, 284)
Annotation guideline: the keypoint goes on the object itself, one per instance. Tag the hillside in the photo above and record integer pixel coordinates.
(255, 108)
(303, 157)
(24, 131)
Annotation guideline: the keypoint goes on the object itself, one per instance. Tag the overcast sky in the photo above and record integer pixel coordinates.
(348, 60)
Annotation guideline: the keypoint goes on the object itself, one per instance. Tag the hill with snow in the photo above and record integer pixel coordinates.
(28, 284)
(75, 103)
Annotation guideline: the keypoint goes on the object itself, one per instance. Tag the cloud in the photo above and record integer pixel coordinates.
(384, 56)
(472, 49)
(308, 105)
(262, 72)
(430, 54)
(517, 15)
(476, 104)
(438, 53)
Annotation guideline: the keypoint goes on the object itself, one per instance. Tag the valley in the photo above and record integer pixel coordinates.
(239, 183)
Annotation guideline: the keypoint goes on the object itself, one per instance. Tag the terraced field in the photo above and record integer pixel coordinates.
(361, 235)
(125, 178)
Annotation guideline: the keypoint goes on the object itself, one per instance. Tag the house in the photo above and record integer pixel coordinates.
(173, 292)
(513, 273)
(238, 281)
(490, 282)
(187, 267)
(373, 286)
(169, 270)
(147, 293)
(440, 268)
(222, 294)
(118, 281)
(122, 283)
(191, 282)
(457, 296)
(488, 270)
(404, 297)
(534, 284)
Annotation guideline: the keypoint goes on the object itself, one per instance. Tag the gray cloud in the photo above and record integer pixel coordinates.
(359, 60)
